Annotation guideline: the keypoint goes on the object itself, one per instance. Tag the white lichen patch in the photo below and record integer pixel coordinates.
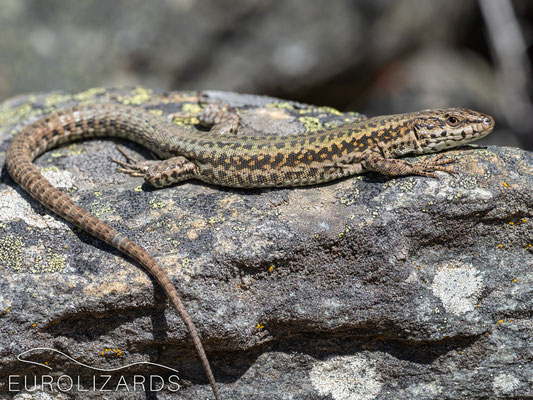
(505, 384)
(13, 207)
(346, 378)
(60, 179)
(458, 286)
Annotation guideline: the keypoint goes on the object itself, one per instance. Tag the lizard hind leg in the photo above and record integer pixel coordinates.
(158, 173)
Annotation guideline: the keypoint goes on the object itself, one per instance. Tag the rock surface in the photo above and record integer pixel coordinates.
(366, 288)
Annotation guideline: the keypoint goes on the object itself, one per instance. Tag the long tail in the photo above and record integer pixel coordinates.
(71, 125)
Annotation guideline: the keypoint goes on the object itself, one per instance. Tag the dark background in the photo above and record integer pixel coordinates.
(372, 56)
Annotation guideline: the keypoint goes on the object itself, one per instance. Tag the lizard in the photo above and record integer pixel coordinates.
(222, 158)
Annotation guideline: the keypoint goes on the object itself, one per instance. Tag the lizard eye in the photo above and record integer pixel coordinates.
(452, 121)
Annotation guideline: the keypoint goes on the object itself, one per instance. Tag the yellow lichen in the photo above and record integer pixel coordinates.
(191, 108)
(215, 219)
(157, 204)
(49, 169)
(54, 99)
(11, 251)
(188, 115)
(89, 94)
(101, 209)
(282, 104)
(56, 262)
(311, 124)
(115, 352)
(156, 112)
(330, 110)
(16, 114)
(138, 96)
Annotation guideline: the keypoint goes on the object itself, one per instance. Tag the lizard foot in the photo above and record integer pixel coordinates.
(132, 166)
(158, 173)
(438, 163)
(399, 167)
(218, 117)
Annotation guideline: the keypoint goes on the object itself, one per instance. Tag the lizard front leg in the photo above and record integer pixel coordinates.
(158, 173)
(398, 167)
(219, 118)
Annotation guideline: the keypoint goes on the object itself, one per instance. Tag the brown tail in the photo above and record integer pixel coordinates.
(21, 169)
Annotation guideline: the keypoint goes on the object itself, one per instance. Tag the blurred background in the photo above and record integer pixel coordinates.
(371, 56)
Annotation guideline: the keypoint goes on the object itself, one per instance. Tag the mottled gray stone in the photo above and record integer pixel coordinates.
(366, 288)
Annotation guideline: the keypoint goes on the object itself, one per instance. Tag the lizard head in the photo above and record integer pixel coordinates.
(441, 129)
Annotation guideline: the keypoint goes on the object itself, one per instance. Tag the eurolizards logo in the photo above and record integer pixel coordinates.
(98, 380)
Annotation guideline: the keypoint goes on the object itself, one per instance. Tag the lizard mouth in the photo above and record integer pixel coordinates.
(449, 136)
(472, 131)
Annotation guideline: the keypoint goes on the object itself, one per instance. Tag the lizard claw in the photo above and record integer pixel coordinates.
(131, 166)
(128, 158)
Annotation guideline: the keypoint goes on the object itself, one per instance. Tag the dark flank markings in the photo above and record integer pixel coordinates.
(335, 150)
(347, 147)
(277, 160)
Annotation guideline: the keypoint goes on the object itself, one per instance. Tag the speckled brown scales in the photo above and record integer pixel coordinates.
(235, 160)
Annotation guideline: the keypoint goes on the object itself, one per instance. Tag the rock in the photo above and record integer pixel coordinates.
(365, 288)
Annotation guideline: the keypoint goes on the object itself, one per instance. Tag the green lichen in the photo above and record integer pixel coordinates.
(191, 108)
(328, 110)
(157, 204)
(89, 94)
(138, 188)
(311, 124)
(16, 114)
(353, 115)
(469, 182)
(53, 100)
(405, 184)
(347, 229)
(215, 219)
(156, 112)
(188, 115)
(100, 209)
(282, 105)
(349, 198)
(53, 262)
(11, 248)
(138, 96)
(49, 169)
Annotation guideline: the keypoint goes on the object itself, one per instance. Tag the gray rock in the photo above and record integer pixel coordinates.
(366, 288)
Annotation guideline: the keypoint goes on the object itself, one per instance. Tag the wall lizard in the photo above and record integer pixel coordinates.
(235, 160)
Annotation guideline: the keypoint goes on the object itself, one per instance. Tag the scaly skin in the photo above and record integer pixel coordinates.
(235, 161)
